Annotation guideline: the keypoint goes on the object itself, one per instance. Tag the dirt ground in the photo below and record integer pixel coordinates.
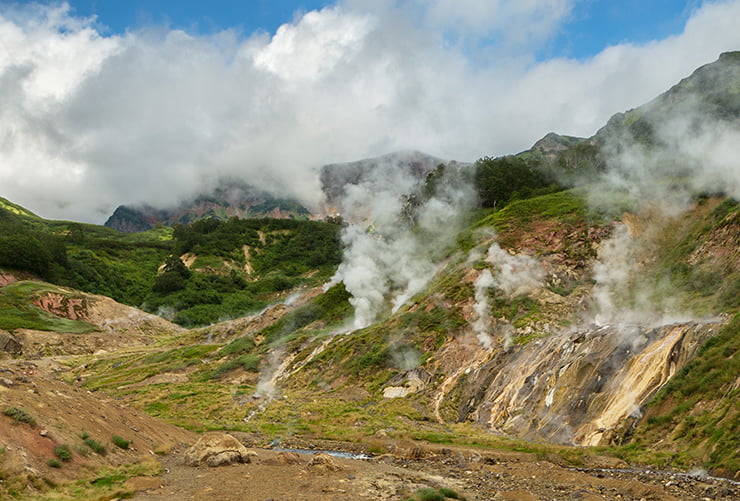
(476, 475)
(63, 411)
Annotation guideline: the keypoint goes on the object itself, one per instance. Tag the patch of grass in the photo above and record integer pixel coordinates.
(63, 452)
(121, 442)
(95, 446)
(244, 344)
(54, 463)
(17, 310)
(249, 363)
(20, 416)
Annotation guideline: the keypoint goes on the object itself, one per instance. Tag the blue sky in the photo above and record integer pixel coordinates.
(102, 113)
(194, 15)
(591, 26)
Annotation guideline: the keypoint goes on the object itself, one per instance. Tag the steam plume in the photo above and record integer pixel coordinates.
(396, 237)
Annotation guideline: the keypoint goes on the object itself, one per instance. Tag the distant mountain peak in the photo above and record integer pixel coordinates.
(229, 198)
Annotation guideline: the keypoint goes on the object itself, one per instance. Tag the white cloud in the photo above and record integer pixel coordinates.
(90, 121)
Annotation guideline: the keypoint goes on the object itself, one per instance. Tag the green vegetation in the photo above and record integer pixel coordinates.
(54, 463)
(240, 265)
(699, 408)
(121, 442)
(63, 452)
(19, 415)
(107, 483)
(18, 311)
(95, 446)
(503, 179)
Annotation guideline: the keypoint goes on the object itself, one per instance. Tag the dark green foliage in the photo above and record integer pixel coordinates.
(282, 254)
(24, 252)
(19, 415)
(123, 271)
(54, 463)
(500, 180)
(63, 453)
(168, 282)
(121, 442)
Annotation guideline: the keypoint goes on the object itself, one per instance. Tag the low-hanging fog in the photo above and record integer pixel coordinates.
(90, 120)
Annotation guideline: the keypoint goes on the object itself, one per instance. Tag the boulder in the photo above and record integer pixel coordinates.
(286, 457)
(324, 461)
(217, 449)
(9, 344)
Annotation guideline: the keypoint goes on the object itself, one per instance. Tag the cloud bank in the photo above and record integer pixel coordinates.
(91, 121)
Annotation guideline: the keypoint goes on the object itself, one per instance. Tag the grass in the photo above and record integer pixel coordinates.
(121, 442)
(20, 416)
(697, 410)
(63, 452)
(95, 446)
(17, 310)
(106, 483)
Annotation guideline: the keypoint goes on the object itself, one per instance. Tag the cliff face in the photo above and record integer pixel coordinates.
(580, 387)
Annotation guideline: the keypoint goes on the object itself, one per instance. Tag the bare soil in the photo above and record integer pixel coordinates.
(475, 474)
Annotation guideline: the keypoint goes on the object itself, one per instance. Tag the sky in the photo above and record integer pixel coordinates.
(109, 102)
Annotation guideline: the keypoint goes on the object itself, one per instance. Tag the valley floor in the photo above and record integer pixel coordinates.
(474, 473)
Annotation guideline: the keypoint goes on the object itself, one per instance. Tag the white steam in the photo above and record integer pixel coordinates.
(90, 121)
(513, 275)
(395, 238)
(613, 272)
(517, 274)
(621, 295)
(482, 323)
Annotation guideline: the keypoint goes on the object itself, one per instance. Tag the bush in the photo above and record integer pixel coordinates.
(63, 452)
(95, 446)
(19, 415)
(121, 442)
(54, 463)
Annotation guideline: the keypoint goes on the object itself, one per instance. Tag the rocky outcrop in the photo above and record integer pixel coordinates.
(580, 387)
(217, 449)
(324, 462)
(9, 344)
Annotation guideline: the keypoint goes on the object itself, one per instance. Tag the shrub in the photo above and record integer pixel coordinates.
(63, 452)
(121, 442)
(19, 415)
(54, 463)
(96, 446)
